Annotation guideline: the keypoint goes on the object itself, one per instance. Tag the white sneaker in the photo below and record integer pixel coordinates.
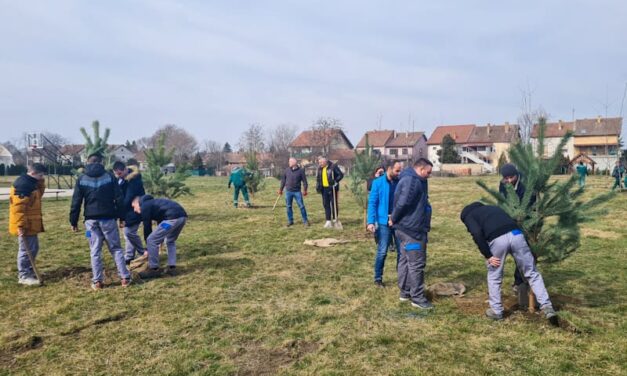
(28, 281)
(328, 224)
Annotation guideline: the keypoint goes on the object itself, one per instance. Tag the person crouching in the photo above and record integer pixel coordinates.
(170, 218)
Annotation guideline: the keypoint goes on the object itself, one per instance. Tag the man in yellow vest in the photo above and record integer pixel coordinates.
(25, 219)
(328, 184)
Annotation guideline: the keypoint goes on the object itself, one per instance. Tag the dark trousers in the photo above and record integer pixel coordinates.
(330, 203)
(411, 266)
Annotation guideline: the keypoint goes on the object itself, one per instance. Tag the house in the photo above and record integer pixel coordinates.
(72, 154)
(593, 139)
(407, 146)
(376, 139)
(6, 158)
(120, 153)
(459, 133)
(310, 144)
(486, 144)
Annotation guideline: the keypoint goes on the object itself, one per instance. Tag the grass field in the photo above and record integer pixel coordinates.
(251, 299)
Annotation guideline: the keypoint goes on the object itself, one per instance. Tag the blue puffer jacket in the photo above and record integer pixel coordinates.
(379, 200)
(412, 211)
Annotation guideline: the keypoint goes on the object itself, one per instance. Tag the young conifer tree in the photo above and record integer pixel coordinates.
(159, 183)
(552, 224)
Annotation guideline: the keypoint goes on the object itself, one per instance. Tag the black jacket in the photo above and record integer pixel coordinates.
(334, 175)
(131, 186)
(486, 223)
(25, 185)
(102, 196)
(412, 211)
(158, 209)
(520, 191)
(292, 179)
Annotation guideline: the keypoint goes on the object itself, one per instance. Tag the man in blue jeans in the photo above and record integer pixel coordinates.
(292, 179)
(380, 205)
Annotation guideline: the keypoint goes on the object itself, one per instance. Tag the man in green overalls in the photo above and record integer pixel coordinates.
(582, 171)
(238, 179)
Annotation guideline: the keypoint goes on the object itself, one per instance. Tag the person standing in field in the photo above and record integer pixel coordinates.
(25, 219)
(380, 205)
(411, 221)
(131, 184)
(497, 235)
(238, 179)
(328, 180)
(103, 206)
(617, 174)
(582, 172)
(292, 179)
(171, 218)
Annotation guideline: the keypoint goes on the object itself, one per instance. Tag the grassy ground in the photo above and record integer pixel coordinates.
(252, 299)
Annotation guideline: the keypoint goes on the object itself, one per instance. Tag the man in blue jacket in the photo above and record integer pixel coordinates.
(411, 220)
(103, 206)
(170, 218)
(380, 204)
(130, 182)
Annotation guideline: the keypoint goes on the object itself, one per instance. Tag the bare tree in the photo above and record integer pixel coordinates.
(56, 138)
(252, 140)
(19, 157)
(279, 141)
(529, 115)
(214, 153)
(178, 139)
(323, 131)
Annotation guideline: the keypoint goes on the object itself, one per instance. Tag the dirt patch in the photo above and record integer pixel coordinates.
(16, 344)
(590, 232)
(77, 272)
(255, 360)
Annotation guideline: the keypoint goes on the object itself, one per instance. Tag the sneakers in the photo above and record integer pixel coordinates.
(403, 298)
(328, 224)
(421, 304)
(493, 315)
(379, 284)
(97, 286)
(150, 273)
(549, 312)
(289, 224)
(126, 282)
(28, 281)
(306, 224)
(171, 271)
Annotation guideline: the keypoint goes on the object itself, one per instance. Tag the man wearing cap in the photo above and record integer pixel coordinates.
(103, 206)
(497, 235)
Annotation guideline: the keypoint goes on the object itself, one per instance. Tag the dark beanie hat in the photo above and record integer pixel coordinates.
(509, 169)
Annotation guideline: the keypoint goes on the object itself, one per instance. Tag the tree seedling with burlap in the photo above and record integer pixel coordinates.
(552, 224)
(159, 183)
(365, 163)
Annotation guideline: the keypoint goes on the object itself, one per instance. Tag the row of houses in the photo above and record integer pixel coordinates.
(596, 142)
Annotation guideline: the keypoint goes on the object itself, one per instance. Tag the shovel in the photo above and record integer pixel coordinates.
(277, 200)
(32, 261)
(336, 221)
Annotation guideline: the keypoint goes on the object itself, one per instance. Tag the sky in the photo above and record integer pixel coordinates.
(215, 67)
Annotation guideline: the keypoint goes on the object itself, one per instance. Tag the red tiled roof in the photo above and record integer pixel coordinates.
(460, 133)
(553, 130)
(405, 139)
(490, 134)
(312, 138)
(342, 155)
(376, 139)
(72, 149)
(598, 127)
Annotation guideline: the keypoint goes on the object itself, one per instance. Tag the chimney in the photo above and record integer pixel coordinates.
(454, 136)
(561, 126)
(489, 129)
(507, 127)
(599, 119)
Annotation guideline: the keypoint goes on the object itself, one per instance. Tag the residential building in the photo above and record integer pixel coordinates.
(459, 133)
(333, 143)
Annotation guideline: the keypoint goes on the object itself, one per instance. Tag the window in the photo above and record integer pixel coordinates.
(404, 151)
(393, 151)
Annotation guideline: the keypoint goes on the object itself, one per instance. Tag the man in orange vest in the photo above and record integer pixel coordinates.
(25, 219)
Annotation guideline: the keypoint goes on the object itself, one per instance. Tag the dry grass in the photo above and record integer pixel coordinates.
(251, 299)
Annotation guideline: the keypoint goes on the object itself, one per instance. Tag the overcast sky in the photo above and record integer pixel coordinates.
(214, 67)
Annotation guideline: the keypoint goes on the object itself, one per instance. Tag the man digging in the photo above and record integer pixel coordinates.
(497, 235)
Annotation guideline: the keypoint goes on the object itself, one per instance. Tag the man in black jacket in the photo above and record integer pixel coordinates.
(103, 206)
(130, 182)
(328, 180)
(291, 180)
(170, 218)
(497, 235)
(411, 220)
(512, 177)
